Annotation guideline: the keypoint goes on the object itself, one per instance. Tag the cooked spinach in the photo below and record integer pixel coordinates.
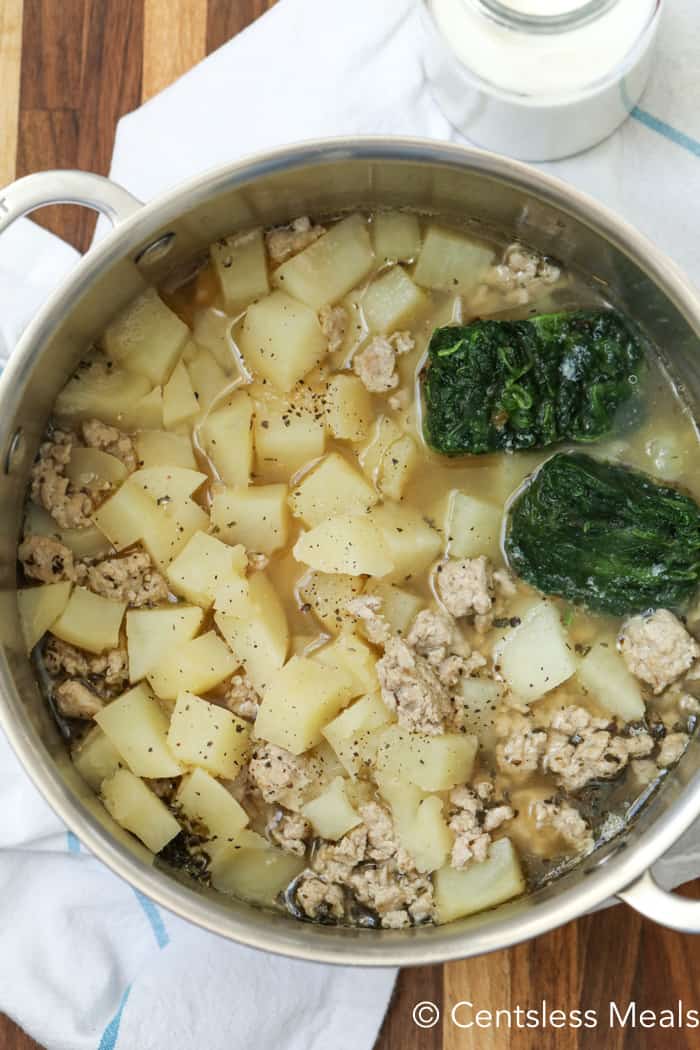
(508, 385)
(605, 536)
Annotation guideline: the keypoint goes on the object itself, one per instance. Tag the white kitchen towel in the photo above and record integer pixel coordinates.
(87, 964)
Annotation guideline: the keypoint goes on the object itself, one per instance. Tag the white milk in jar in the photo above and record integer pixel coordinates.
(539, 79)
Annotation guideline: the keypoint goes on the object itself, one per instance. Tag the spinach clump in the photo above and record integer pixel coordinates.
(605, 536)
(508, 385)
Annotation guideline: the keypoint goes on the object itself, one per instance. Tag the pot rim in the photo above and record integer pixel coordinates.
(277, 934)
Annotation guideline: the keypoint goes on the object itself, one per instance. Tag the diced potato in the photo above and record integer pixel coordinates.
(85, 543)
(97, 393)
(202, 566)
(536, 656)
(241, 266)
(125, 516)
(88, 465)
(153, 633)
(326, 271)
(227, 437)
(481, 697)
(396, 468)
(384, 433)
(40, 607)
(396, 236)
(393, 301)
(211, 330)
(603, 673)
(348, 733)
(286, 438)
(259, 637)
(168, 482)
(350, 653)
(301, 698)
(160, 448)
(207, 377)
(90, 621)
(479, 885)
(257, 516)
(412, 544)
(180, 404)
(330, 814)
(147, 338)
(255, 874)
(96, 759)
(420, 824)
(349, 411)
(433, 763)
(232, 597)
(135, 807)
(147, 412)
(472, 527)
(328, 596)
(196, 667)
(450, 262)
(138, 728)
(174, 523)
(203, 800)
(206, 735)
(399, 607)
(333, 487)
(281, 340)
(348, 544)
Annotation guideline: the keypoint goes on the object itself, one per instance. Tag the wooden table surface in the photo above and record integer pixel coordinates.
(69, 69)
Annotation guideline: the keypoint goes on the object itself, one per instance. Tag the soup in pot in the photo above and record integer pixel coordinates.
(359, 569)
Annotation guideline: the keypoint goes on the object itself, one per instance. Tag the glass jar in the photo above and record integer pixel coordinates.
(538, 79)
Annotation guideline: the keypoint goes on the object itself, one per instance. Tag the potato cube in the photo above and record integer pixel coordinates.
(135, 807)
(347, 544)
(328, 596)
(99, 393)
(153, 633)
(202, 566)
(180, 404)
(383, 435)
(399, 607)
(420, 824)
(393, 301)
(433, 763)
(349, 411)
(203, 800)
(398, 464)
(147, 337)
(167, 532)
(146, 412)
(412, 544)
(472, 527)
(350, 653)
(90, 621)
(168, 482)
(348, 733)
(207, 377)
(330, 814)
(257, 516)
(206, 735)
(125, 516)
(197, 666)
(603, 673)
(451, 262)
(481, 697)
(138, 728)
(332, 487)
(286, 438)
(211, 330)
(241, 266)
(256, 874)
(259, 636)
(89, 465)
(327, 270)
(301, 698)
(96, 759)
(160, 448)
(227, 437)
(478, 886)
(396, 236)
(281, 340)
(39, 608)
(537, 656)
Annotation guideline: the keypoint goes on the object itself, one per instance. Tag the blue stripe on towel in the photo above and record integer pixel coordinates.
(72, 842)
(111, 1032)
(666, 130)
(155, 919)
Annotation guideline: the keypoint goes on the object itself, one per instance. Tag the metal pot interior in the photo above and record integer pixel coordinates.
(464, 187)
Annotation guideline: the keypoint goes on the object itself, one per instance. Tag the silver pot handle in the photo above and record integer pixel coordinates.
(668, 909)
(66, 187)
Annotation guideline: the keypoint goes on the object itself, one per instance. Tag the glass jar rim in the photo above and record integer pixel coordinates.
(506, 16)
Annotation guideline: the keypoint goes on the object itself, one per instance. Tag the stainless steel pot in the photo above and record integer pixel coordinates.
(149, 241)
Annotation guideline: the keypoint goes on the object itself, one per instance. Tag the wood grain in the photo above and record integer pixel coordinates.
(70, 69)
